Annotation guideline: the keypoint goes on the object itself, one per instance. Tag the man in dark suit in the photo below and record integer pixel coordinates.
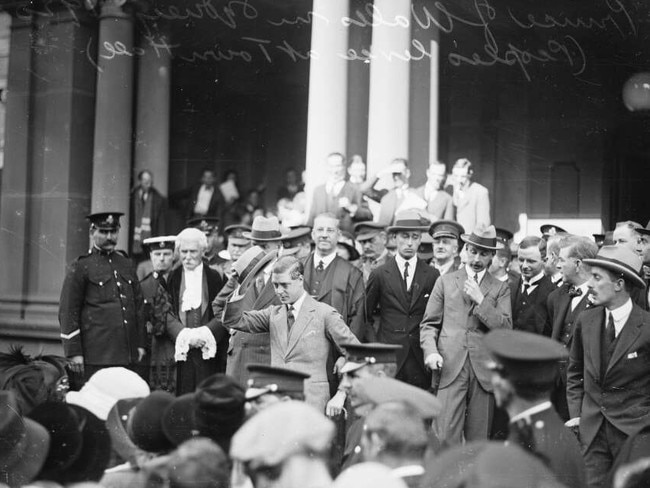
(372, 238)
(608, 380)
(202, 200)
(524, 372)
(565, 304)
(147, 214)
(200, 341)
(529, 295)
(338, 197)
(400, 289)
(463, 306)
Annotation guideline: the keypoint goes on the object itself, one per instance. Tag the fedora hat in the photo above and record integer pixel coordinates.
(264, 229)
(409, 220)
(484, 237)
(24, 444)
(619, 260)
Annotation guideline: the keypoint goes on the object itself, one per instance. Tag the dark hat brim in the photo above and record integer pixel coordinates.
(618, 268)
(407, 228)
(354, 254)
(263, 236)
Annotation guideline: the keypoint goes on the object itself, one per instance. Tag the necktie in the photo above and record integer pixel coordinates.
(290, 318)
(321, 266)
(574, 292)
(526, 288)
(406, 275)
(610, 330)
(476, 277)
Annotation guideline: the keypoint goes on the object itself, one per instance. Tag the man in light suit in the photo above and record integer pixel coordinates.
(471, 200)
(401, 197)
(439, 202)
(566, 303)
(339, 197)
(608, 379)
(463, 306)
(398, 292)
(372, 239)
(302, 330)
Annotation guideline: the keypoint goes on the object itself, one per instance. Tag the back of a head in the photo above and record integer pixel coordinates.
(199, 463)
(581, 247)
(400, 428)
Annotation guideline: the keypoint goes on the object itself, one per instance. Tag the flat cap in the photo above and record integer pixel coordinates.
(377, 390)
(280, 431)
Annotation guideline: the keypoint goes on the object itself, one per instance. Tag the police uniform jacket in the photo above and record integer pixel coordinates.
(101, 309)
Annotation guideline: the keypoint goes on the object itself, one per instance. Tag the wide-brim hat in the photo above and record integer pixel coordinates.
(409, 221)
(24, 444)
(247, 262)
(264, 229)
(66, 438)
(446, 228)
(484, 237)
(619, 260)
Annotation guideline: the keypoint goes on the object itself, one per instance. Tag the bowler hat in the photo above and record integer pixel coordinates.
(524, 357)
(483, 237)
(24, 444)
(280, 431)
(105, 220)
(377, 390)
(409, 220)
(264, 229)
(620, 260)
(446, 228)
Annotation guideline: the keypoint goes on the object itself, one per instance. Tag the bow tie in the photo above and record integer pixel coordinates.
(574, 292)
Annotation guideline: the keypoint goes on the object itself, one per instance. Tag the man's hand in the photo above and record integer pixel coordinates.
(574, 422)
(473, 291)
(77, 364)
(433, 361)
(339, 364)
(141, 354)
(335, 405)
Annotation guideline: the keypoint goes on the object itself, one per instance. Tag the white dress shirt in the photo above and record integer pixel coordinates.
(203, 200)
(327, 260)
(470, 272)
(193, 294)
(620, 315)
(532, 283)
(401, 265)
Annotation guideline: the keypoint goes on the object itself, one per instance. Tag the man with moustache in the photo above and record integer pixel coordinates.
(565, 304)
(372, 238)
(100, 310)
(463, 306)
(398, 292)
(529, 295)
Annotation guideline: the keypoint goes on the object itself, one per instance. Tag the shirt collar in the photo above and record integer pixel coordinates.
(409, 470)
(470, 273)
(400, 261)
(621, 313)
(534, 280)
(327, 260)
(298, 304)
(531, 411)
(445, 267)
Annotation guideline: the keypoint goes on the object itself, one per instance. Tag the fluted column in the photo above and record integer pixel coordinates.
(153, 116)
(114, 114)
(388, 115)
(328, 88)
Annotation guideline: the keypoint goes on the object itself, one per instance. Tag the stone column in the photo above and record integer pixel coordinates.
(114, 114)
(388, 117)
(434, 100)
(328, 88)
(47, 172)
(153, 116)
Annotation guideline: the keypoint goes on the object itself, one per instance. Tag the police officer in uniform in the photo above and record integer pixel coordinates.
(101, 305)
(526, 367)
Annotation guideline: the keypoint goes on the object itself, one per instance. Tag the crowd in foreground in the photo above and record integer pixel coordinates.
(406, 352)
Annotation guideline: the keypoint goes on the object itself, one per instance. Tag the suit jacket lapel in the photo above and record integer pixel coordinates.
(416, 287)
(460, 283)
(281, 328)
(628, 335)
(395, 282)
(205, 299)
(265, 297)
(596, 341)
(486, 283)
(305, 316)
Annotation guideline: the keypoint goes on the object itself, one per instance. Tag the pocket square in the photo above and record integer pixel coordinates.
(311, 332)
(427, 295)
(632, 355)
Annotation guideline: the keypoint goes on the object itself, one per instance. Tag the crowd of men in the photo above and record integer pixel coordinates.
(414, 345)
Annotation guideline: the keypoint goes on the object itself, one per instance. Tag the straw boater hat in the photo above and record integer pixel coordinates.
(409, 220)
(264, 229)
(483, 237)
(620, 260)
